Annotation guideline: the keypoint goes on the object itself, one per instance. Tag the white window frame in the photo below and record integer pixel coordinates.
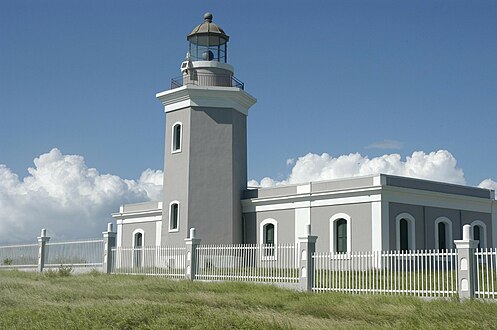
(448, 232)
(483, 226)
(411, 222)
(261, 238)
(174, 230)
(173, 151)
(333, 225)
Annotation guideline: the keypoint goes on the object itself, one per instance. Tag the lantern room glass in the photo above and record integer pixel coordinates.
(208, 47)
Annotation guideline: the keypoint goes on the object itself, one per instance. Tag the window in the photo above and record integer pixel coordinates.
(341, 236)
(477, 235)
(137, 248)
(406, 234)
(442, 244)
(174, 216)
(268, 239)
(443, 233)
(480, 233)
(177, 136)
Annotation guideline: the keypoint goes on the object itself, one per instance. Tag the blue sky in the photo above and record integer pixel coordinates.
(342, 88)
(334, 77)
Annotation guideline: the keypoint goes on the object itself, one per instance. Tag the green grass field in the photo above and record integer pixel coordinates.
(94, 301)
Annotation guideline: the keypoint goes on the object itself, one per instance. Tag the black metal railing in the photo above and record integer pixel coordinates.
(207, 80)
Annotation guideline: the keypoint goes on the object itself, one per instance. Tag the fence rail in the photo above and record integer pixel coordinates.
(247, 262)
(19, 256)
(430, 273)
(167, 261)
(486, 273)
(84, 253)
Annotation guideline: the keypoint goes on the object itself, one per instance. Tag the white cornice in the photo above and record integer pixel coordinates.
(137, 214)
(206, 96)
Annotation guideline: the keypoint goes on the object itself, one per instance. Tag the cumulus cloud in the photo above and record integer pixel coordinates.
(489, 184)
(438, 166)
(65, 196)
(386, 144)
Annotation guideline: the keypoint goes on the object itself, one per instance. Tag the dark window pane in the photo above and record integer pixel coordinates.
(404, 235)
(477, 235)
(442, 244)
(174, 216)
(177, 137)
(341, 235)
(269, 239)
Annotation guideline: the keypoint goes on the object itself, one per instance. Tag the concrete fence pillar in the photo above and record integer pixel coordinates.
(191, 255)
(307, 247)
(42, 249)
(109, 243)
(466, 267)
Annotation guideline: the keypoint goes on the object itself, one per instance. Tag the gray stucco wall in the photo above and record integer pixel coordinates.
(176, 177)
(425, 223)
(285, 229)
(216, 179)
(149, 236)
(360, 225)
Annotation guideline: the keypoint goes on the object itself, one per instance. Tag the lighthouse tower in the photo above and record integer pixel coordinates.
(205, 159)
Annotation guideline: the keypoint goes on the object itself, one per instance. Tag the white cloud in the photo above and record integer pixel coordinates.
(438, 166)
(489, 184)
(65, 196)
(386, 144)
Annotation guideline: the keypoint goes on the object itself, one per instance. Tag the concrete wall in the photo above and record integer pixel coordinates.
(217, 173)
(425, 218)
(176, 177)
(360, 225)
(149, 236)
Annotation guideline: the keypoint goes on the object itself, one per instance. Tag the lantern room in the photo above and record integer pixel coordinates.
(208, 42)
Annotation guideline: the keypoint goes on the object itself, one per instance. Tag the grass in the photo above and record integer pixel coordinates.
(95, 301)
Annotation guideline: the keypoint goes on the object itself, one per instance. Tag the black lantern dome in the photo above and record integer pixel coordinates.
(208, 42)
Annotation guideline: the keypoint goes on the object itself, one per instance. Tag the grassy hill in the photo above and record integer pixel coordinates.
(95, 301)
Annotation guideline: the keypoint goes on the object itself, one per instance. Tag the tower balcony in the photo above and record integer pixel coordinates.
(207, 79)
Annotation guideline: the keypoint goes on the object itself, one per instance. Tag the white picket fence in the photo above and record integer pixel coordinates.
(167, 261)
(486, 270)
(19, 256)
(428, 273)
(247, 262)
(80, 253)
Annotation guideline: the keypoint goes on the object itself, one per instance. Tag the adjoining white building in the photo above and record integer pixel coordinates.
(205, 181)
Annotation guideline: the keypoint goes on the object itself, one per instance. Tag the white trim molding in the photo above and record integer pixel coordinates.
(483, 235)
(261, 238)
(448, 232)
(333, 221)
(411, 221)
(173, 230)
(173, 135)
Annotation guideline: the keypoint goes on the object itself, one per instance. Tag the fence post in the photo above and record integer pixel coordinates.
(191, 255)
(42, 242)
(109, 243)
(466, 269)
(307, 247)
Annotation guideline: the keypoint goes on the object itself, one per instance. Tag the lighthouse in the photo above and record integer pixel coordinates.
(205, 158)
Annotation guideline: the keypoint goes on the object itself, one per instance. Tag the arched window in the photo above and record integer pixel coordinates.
(341, 235)
(480, 233)
(269, 239)
(406, 237)
(137, 248)
(174, 216)
(340, 238)
(177, 137)
(268, 233)
(443, 233)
